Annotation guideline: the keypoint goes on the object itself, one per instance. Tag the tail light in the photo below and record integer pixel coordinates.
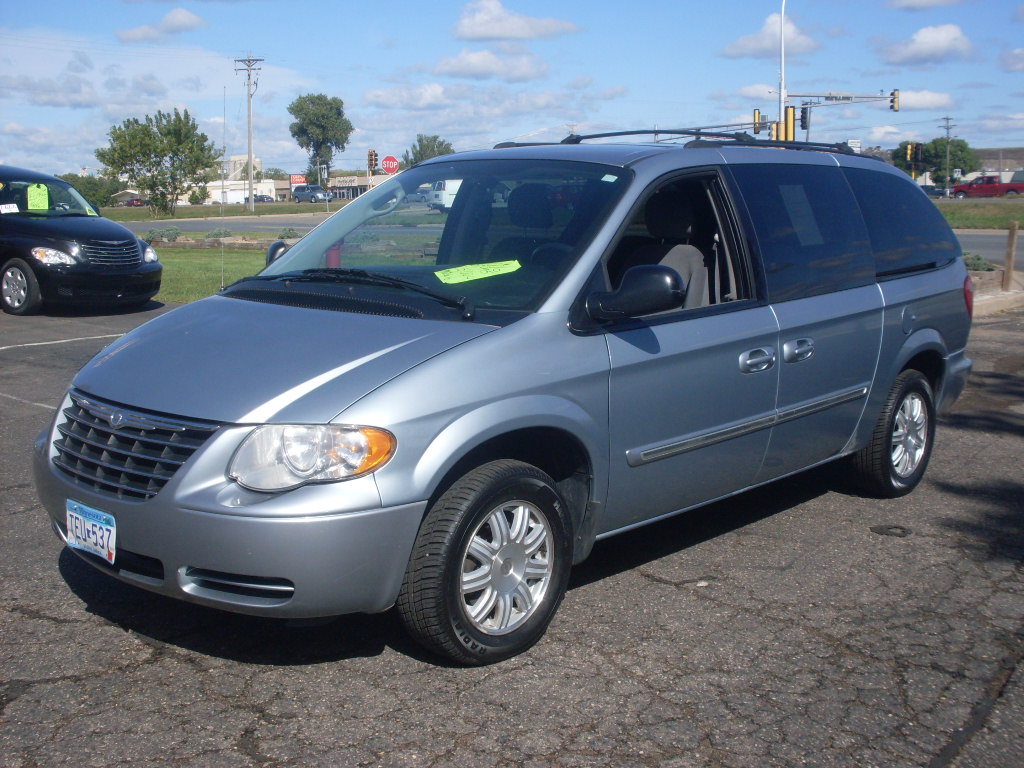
(969, 296)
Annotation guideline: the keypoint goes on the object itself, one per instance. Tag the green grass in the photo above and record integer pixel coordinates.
(982, 214)
(116, 213)
(194, 274)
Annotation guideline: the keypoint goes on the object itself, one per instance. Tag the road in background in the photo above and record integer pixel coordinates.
(793, 625)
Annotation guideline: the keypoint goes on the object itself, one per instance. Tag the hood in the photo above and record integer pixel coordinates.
(231, 360)
(76, 228)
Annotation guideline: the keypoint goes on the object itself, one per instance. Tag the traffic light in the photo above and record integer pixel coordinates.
(910, 151)
(919, 153)
(790, 126)
(805, 118)
(757, 121)
(894, 100)
(371, 160)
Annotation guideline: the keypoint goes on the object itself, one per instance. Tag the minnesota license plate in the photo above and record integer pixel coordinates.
(91, 530)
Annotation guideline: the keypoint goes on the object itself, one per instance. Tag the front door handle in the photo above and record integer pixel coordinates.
(756, 360)
(798, 349)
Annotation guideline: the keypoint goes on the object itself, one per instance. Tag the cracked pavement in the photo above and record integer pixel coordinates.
(795, 625)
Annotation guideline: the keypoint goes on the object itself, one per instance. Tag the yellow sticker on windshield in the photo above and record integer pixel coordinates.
(476, 271)
(38, 197)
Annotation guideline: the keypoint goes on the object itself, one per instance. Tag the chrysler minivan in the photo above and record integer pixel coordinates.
(444, 416)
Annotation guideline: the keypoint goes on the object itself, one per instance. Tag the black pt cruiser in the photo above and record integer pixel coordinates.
(56, 248)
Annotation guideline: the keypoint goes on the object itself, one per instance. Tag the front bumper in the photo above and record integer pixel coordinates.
(79, 284)
(296, 555)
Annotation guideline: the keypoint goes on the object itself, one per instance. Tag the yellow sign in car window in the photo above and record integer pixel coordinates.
(476, 271)
(38, 197)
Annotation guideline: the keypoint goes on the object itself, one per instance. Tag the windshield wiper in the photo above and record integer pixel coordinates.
(461, 303)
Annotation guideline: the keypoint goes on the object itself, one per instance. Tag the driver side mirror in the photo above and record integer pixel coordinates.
(276, 251)
(644, 290)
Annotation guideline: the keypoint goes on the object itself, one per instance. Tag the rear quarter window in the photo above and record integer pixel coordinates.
(808, 228)
(907, 231)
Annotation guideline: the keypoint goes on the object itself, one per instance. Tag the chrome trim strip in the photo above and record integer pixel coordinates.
(637, 457)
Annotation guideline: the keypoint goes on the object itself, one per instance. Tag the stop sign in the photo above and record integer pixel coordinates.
(389, 164)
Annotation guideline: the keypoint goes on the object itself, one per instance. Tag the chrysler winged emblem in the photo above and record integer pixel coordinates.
(116, 419)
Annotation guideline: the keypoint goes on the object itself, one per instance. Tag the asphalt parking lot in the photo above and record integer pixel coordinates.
(797, 625)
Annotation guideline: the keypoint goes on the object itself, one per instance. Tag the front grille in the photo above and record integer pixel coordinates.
(122, 452)
(105, 253)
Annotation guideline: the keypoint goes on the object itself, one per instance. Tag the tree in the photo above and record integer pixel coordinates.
(275, 173)
(425, 148)
(933, 158)
(164, 157)
(320, 128)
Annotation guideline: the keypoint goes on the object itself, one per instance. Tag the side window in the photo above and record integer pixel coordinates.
(681, 226)
(808, 228)
(906, 229)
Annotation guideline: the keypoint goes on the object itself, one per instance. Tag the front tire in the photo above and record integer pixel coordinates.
(19, 290)
(490, 565)
(894, 462)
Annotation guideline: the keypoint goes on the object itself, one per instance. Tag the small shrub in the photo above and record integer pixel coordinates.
(288, 233)
(976, 263)
(220, 232)
(170, 234)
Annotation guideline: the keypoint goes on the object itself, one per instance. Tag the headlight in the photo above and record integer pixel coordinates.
(148, 254)
(52, 256)
(278, 457)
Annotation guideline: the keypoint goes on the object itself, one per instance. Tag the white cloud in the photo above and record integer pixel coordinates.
(925, 100)
(764, 44)
(175, 22)
(66, 90)
(486, 64)
(490, 20)
(1012, 61)
(929, 45)
(758, 91)
(420, 97)
(889, 134)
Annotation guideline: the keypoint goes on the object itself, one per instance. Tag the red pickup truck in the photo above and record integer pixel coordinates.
(989, 186)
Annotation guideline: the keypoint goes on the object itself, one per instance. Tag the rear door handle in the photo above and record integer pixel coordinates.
(798, 349)
(756, 360)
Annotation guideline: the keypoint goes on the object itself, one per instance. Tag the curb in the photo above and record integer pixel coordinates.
(994, 303)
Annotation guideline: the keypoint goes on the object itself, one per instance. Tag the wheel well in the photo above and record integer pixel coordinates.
(553, 451)
(930, 364)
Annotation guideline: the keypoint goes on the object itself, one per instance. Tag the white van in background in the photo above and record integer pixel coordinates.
(442, 194)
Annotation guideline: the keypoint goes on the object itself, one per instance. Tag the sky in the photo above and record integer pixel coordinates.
(480, 72)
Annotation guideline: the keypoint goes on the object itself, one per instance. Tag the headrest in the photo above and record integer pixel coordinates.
(529, 206)
(669, 215)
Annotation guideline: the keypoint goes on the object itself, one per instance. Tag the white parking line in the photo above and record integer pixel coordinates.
(29, 402)
(62, 341)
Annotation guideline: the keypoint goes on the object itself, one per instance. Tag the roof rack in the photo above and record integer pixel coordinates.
(702, 137)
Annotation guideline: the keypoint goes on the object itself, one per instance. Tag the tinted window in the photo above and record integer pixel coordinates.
(906, 229)
(808, 227)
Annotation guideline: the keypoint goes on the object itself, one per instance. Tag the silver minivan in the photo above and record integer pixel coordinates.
(443, 414)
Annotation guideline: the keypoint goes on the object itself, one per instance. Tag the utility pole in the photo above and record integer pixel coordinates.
(249, 65)
(949, 127)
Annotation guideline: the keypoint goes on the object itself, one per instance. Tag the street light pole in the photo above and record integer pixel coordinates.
(782, 64)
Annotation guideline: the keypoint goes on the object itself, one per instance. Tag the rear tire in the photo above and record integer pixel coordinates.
(19, 289)
(894, 462)
(490, 565)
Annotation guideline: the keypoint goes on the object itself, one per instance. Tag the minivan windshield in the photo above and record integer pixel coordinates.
(504, 240)
(47, 198)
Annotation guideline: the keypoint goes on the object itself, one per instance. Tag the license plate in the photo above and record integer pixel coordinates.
(91, 530)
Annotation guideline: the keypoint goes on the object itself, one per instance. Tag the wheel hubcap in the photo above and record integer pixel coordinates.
(15, 288)
(507, 567)
(909, 435)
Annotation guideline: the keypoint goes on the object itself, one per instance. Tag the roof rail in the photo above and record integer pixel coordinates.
(702, 137)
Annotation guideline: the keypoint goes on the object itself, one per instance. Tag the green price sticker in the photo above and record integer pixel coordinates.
(476, 271)
(38, 197)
